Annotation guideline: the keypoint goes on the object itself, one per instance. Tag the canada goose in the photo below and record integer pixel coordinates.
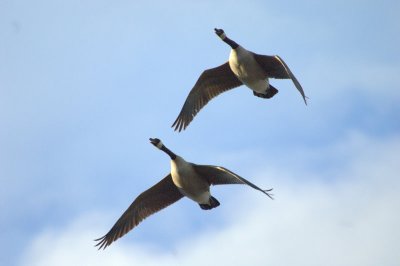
(185, 179)
(243, 67)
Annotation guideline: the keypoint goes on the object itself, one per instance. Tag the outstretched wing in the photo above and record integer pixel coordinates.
(218, 175)
(159, 196)
(211, 83)
(275, 67)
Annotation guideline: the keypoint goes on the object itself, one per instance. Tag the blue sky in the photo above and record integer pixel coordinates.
(84, 84)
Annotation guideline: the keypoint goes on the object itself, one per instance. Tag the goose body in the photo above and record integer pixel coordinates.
(189, 182)
(185, 179)
(247, 70)
(243, 68)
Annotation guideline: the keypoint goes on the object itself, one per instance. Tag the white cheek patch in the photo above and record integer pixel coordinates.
(160, 144)
(223, 36)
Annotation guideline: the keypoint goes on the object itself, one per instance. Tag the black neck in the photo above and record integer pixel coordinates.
(231, 43)
(170, 153)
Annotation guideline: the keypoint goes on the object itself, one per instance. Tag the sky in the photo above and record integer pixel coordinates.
(84, 84)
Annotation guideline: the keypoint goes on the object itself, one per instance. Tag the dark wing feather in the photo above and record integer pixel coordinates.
(275, 67)
(159, 196)
(211, 83)
(218, 175)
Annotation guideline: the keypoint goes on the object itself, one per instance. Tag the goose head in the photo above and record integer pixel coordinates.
(156, 142)
(220, 33)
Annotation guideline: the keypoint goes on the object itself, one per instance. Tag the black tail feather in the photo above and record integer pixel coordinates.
(212, 204)
(271, 91)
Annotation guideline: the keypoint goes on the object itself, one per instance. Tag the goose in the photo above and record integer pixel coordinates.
(185, 179)
(243, 67)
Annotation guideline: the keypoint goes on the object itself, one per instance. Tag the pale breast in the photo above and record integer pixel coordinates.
(247, 70)
(189, 182)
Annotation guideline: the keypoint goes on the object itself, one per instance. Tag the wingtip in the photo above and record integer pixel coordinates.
(179, 124)
(305, 100)
(102, 243)
(175, 125)
(270, 195)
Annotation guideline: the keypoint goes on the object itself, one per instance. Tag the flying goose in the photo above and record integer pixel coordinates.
(185, 179)
(243, 67)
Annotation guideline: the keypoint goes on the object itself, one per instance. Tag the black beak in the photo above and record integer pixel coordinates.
(154, 141)
(217, 31)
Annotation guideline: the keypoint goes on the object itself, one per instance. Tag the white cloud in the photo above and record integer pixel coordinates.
(350, 219)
